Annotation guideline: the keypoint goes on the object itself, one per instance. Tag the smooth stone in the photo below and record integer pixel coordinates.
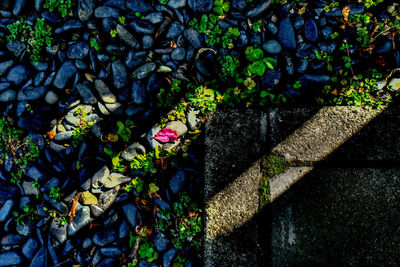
(86, 93)
(326, 32)
(142, 26)
(175, 29)
(194, 38)
(130, 211)
(238, 4)
(40, 258)
(18, 75)
(25, 229)
(58, 232)
(78, 51)
(29, 248)
(311, 30)
(107, 198)
(5, 65)
(316, 78)
(35, 173)
(68, 26)
(286, 34)
(10, 258)
(123, 229)
(272, 47)
(120, 76)
(88, 198)
(132, 151)
(155, 18)
(8, 95)
(31, 93)
(147, 41)
(298, 23)
(258, 9)
(5, 210)
(127, 37)
(384, 48)
(51, 97)
(138, 5)
(273, 29)
(201, 6)
(18, 6)
(114, 107)
(289, 67)
(96, 211)
(85, 9)
(12, 239)
(177, 181)
(29, 189)
(111, 252)
(100, 176)
(115, 179)
(134, 59)
(81, 220)
(104, 92)
(16, 48)
(161, 203)
(303, 66)
(394, 84)
(105, 237)
(178, 54)
(160, 242)
(178, 126)
(175, 4)
(64, 74)
(106, 12)
(169, 256)
(144, 70)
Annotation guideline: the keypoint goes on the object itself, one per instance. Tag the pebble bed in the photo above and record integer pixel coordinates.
(107, 64)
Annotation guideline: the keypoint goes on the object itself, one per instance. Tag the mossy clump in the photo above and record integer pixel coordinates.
(271, 166)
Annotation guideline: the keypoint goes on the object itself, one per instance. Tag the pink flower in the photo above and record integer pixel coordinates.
(166, 135)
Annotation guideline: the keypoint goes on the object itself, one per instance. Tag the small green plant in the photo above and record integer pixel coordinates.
(363, 37)
(30, 213)
(321, 55)
(139, 15)
(35, 38)
(116, 161)
(124, 130)
(62, 6)
(55, 193)
(167, 98)
(334, 35)
(371, 3)
(21, 152)
(146, 249)
(94, 44)
(121, 20)
(164, 2)
(208, 25)
(259, 64)
(74, 37)
(221, 7)
(113, 33)
(144, 163)
(257, 25)
(328, 8)
(204, 99)
(229, 65)
(61, 219)
(82, 127)
(271, 166)
(229, 36)
(137, 183)
(297, 85)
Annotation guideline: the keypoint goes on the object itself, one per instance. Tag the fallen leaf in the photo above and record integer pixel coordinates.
(71, 213)
(346, 12)
(166, 135)
(51, 134)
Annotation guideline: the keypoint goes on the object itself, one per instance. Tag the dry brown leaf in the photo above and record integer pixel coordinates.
(346, 12)
(71, 213)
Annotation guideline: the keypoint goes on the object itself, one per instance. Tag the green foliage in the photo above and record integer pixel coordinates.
(229, 36)
(363, 37)
(297, 85)
(121, 20)
(113, 33)
(271, 166)
(334, 35)
(146, 247)
(360, 18)
(55, 193)
(164, 2)
(94, 44)
(82, 127)
(64, 7)
(30, 213)
(328, 8)
(204, 99)
(35, 38)
(208, 25)
(257, 25)
(229, 65)
(259, 64)
(182, 222)
(371, 3)
(20, 151)
(167, 98)
(124, 130)
(137, 183)
(61, 219)
(321, 55)
(116, 161)
(145, 163)
(221, 7)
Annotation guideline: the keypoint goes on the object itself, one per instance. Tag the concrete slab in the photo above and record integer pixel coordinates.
(338, 217)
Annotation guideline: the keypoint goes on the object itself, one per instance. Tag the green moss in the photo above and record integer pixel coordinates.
(271, 166)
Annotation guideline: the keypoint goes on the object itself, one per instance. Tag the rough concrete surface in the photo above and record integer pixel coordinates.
(339, 217)
(232, 173)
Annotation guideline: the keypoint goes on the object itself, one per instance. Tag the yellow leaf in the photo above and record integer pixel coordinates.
(346, 12)
(112, 137)
(334, 92)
